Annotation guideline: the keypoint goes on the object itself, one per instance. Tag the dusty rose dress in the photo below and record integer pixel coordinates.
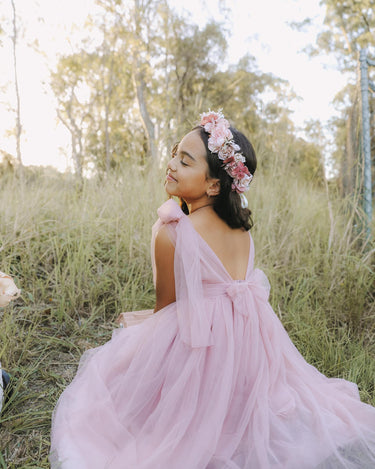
(211, 381)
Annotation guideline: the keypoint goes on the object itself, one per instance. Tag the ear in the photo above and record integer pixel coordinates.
(213, 188)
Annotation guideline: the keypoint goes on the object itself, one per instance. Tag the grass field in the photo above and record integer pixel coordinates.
(81, 256)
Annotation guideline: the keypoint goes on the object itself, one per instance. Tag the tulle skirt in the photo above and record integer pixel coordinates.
(147, 400)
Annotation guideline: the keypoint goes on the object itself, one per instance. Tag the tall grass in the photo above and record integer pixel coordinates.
(81, 256)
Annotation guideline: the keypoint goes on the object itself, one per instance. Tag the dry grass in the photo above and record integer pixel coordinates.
(82, 256)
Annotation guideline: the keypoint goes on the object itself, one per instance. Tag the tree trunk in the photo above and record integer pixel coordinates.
(139, 85)
(147, 122)
(107, 149)
(18, 111)
(346, 164)
(107, 97)
(76, 155)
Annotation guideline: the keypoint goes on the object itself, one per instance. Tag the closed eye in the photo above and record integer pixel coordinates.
(183, 163)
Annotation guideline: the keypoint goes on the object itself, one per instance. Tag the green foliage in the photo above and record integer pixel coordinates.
(150, 75)
(8, 163)
(81, 256)
(348, 26)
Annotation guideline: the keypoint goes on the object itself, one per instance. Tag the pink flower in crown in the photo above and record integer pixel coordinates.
(242, 185)
(209, 126)
(209, 119)
(222, 128)
(214, 144)
(230, 166)
(240, 171)
(220, 134)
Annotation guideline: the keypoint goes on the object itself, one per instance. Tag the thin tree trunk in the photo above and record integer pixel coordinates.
(346, 165)
(107, 95)
(107, 150)
(329, 205)
(107, 54)
(18, 111)
(139, 85)
(76, 156)
(147, 122)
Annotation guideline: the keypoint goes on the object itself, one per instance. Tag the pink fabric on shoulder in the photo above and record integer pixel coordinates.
(194, 324)
(170, 211)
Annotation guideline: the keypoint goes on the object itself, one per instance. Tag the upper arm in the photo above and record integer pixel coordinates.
(164, 262)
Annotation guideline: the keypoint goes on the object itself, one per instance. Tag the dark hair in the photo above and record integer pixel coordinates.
(227, 204)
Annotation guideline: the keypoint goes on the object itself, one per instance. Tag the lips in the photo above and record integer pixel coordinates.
(170, 178)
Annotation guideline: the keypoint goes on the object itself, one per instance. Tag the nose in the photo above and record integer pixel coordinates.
(171, 165)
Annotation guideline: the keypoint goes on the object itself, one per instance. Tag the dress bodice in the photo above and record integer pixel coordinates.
(200, 275)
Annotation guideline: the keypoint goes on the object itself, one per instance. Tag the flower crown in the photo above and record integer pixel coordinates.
(221, 141)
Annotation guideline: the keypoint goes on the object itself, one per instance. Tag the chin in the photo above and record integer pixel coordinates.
(169, 191)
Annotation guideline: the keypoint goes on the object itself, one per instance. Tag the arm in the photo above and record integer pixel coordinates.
(165, 287)
(164, 261)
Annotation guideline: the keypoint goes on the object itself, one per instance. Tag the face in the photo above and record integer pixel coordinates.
(187, 175)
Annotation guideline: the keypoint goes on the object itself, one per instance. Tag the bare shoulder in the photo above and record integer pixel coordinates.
(211, 224)
(218, 234)
(202, 220)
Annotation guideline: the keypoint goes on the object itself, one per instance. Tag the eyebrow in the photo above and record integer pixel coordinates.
(187, 154)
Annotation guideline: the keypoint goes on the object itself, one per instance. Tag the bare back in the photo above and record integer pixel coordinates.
(231, 246)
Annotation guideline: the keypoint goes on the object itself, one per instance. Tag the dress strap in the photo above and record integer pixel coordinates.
(193, 319)
(194, 324)
(169, 214)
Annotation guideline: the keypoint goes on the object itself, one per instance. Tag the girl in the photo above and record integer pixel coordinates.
(212, 380)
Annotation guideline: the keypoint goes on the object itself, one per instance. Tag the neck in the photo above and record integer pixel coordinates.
(194, 207)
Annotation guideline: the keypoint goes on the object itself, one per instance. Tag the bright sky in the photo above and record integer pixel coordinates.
(259, 28)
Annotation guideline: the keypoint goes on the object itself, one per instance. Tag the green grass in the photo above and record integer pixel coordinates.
(82, 256)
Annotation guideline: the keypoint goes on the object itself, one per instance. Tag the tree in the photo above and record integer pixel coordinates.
(349, 25)
(65, 82)
(139, 87)
(18, 100)
(134, 22)
(134, 52)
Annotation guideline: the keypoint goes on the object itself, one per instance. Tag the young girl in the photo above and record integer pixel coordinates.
(211, 380)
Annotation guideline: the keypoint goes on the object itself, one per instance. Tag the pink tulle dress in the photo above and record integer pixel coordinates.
(211, 381)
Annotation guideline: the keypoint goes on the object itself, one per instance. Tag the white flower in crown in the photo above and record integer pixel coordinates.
(228, 150)
(239, 158)
(242, 185)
